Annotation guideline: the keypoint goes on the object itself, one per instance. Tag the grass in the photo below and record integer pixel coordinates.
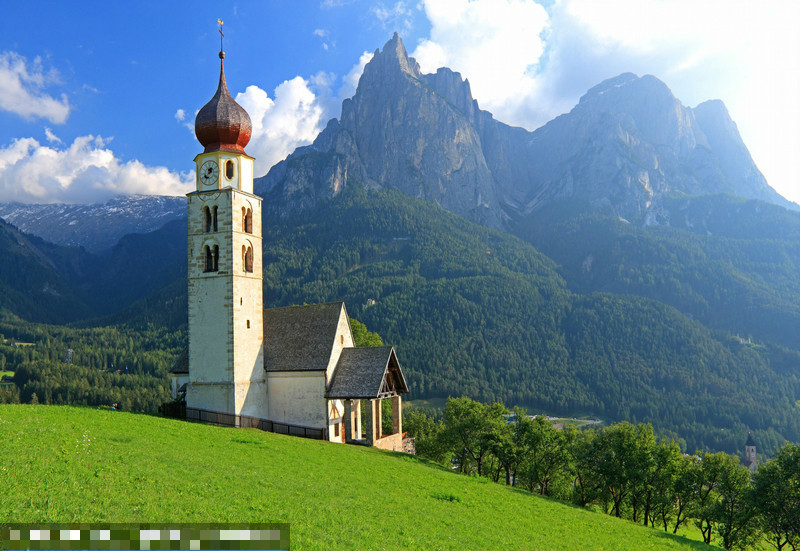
(70, 464)
(4, 373)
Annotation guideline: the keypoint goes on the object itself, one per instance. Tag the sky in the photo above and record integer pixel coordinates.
(98, 99)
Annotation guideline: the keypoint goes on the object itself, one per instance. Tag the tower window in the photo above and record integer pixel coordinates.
(212, 258)
(229, 169)
(214, 217)
(247, 220)
(206, 219)
(248, 324)
(247, 258)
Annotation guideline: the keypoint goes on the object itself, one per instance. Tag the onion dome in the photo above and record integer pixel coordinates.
(222, 124)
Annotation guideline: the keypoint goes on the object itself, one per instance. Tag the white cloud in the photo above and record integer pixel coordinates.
(21, 89)
(180, 115)
(324, 35)
(86, 171)
(496, 44)
(397, 16)
(51, 137)
(280, 125)
(350, 80)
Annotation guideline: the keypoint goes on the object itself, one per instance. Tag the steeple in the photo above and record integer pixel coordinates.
(750, 458)
(222, 124)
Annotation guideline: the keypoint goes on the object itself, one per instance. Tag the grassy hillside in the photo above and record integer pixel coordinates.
(67, 464)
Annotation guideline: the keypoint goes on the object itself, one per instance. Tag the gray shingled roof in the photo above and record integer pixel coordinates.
(182, 365)
(360, 373)
(300, 338)
(750, 441)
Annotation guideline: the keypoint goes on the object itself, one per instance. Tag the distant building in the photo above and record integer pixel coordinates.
(750, 459)
(293, 369)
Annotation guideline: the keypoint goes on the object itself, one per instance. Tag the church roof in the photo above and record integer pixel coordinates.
(300, 338)
(182, 365)
(369, 372)
(750, 441)
(222, 124)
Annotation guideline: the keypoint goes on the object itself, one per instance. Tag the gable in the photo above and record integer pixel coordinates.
(369, 372)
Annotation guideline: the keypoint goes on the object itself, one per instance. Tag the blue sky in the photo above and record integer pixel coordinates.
(98, 98)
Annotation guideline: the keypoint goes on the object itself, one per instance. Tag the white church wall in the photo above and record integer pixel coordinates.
(298, 398)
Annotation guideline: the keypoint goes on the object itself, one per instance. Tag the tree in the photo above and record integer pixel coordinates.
(507, 445)
(581, 451)
(473, 427)
(623, 455)
(428, 433)
(543, 455)
(776, 498)
(733, 514)
(362, 336)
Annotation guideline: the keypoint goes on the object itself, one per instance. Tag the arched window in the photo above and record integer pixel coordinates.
(206, 219)
(214, 216)
(229, 169)
(247, 258)
(212, 258)
(247, 220)
(209, 254)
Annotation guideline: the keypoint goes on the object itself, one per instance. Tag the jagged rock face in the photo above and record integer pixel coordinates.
(396, 132)
(628, 141)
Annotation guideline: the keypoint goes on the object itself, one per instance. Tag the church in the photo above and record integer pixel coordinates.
(294, 370)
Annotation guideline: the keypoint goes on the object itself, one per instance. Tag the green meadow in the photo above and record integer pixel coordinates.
(72, 464)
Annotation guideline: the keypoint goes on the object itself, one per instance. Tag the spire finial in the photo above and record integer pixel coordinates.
(221, 51)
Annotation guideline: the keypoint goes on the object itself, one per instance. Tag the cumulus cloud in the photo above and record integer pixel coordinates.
(497, 44)
(350, 80)
(280, 125)
(22, 89)
(84, 172)
(180, 115)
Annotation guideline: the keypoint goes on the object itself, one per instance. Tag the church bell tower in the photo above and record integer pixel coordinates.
(226, 372)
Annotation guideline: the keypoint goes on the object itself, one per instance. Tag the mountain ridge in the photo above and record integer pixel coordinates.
(627, 142)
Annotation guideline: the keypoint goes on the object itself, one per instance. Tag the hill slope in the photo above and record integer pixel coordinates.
(107, 466)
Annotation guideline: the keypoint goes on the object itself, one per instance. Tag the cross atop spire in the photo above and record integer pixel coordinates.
(220, 22)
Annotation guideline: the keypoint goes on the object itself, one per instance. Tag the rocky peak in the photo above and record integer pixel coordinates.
(390, 60)
(454, 89)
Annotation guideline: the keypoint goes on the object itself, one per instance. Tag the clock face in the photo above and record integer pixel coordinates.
(209, 173)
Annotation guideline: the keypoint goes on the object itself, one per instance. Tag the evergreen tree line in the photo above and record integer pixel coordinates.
(622, 469)
(107, 365)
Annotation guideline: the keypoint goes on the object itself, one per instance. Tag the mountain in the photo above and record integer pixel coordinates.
(95, 227)
(728, 262)
(36, 278)
(44, 282)
(628, 142)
